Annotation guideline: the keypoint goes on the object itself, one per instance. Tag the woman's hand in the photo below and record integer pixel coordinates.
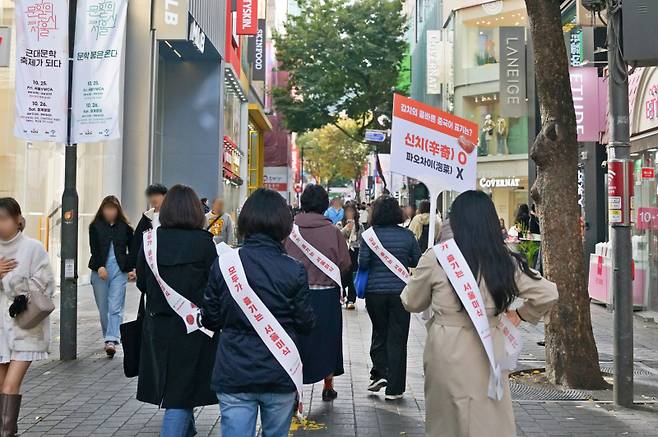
(102, 273)
(513, 316)
(6, 266)
(132, 276)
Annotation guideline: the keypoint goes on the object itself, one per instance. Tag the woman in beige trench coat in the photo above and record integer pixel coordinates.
(455, 362)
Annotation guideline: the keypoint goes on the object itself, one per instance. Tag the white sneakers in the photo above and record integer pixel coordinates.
(394, 397)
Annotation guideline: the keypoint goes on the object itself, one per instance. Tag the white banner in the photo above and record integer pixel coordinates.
(326, 266)
(463, 281)
(42, 70)
(186, 310)
(393, 264)
(98, 64)
(261, 319)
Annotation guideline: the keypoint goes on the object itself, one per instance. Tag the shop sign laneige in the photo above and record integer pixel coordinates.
(512, 72)
(500, 182)
(170, 19)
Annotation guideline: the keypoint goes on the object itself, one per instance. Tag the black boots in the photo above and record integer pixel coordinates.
(10, 406)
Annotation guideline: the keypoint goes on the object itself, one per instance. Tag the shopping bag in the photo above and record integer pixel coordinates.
(131, 341)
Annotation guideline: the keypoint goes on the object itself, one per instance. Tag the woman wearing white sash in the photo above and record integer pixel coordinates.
(175, 366)
(322, 349)
(457, 370)
(247, 375)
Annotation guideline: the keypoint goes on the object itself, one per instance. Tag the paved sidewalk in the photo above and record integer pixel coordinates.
(91, 397)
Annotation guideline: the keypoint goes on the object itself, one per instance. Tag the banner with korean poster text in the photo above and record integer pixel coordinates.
(98, 64)
(434, 147)
(42, 70)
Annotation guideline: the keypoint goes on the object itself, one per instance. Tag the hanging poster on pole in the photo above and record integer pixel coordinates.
(98, 63)
(42, 70)
(434, 147)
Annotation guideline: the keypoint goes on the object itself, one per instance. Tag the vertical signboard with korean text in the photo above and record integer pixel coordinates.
(99, 45)
(42, 70)
(247, 17)
(512, 72)
(257, 55)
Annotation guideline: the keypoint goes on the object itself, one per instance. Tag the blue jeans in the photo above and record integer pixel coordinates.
(178, 423)
(110, 297)
(240, 410)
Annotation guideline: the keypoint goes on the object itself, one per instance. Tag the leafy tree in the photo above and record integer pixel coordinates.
(571, 355)
(330, 155)
(343, 59)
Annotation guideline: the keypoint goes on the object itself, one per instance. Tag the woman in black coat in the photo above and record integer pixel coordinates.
(247, 376)
(175, 367)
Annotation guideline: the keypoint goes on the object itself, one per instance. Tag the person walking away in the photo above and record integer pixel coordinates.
(247, 377)
(363, 215)
(390, 321)
(24, 268)
(336, 212)
(155, 195)
(175, 367)
(457, 369)
(409, 214)
(110, 240)
(352, 230)
(521, 222)
(219, 223)
(322, 349)
(420, 225)
(204, 205)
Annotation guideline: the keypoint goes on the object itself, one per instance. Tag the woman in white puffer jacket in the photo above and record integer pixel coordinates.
(24, 268)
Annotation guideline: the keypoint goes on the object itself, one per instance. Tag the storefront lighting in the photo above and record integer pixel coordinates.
(168, 44)
(652, 150)
(177, 54)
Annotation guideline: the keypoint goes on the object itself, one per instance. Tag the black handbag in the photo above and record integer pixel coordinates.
(131, 340)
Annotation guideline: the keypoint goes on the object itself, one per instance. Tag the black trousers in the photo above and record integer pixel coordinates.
(390, 331)
(348, 278)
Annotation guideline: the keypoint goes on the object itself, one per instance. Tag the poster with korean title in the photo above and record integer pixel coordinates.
(42, 70)
(434, 147)
(97, 69)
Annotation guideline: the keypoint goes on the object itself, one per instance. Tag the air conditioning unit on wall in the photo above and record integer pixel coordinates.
(639, 32)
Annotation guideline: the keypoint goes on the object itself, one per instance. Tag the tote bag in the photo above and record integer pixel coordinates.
(361, 283)
(131, 340)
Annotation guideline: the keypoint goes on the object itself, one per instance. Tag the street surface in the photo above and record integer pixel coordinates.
(91, 397)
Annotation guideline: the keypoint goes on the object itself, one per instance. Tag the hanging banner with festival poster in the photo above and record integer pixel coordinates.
(434, 147)
(42, 70)
(98, 63)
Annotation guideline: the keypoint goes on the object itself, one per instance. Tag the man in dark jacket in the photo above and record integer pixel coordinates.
(155, 195)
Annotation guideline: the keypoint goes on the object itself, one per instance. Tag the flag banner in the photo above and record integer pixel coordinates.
(42, 70)
(98, 63)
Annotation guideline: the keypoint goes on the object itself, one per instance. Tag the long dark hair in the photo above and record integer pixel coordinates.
(523, 216)
(182, 209)
(476, 230)
(113, 202)
(351, 207)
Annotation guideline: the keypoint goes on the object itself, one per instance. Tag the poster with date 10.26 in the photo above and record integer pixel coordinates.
(432, 146)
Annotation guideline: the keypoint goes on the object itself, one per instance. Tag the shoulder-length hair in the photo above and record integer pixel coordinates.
(13, 209)
(265, 212)
(476, 230)
(182, 209)
(351, 207)
(112, 202)
(386, 211)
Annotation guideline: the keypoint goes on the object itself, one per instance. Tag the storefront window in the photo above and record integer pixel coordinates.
(645, 230)
(232, 114)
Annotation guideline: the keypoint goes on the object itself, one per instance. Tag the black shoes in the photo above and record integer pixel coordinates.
(377, 385)
(329, 394)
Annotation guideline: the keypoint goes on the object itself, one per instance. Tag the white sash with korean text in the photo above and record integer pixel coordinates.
(262, 320)
(393, 264)
(190, 313)
(326, 266)
(461, 277)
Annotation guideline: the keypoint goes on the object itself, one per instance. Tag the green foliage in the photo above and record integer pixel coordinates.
(344, 59)
(331, 156)
(529, 249)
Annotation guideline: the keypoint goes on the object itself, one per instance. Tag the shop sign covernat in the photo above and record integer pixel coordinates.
(500, 182)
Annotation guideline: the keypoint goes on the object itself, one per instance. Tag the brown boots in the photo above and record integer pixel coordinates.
(10, 405)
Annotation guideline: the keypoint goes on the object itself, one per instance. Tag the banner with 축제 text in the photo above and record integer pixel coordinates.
(435, 147)
(42, 70)
(98, 60)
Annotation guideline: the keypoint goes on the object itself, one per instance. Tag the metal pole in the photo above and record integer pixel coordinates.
(69, 251)
(620, 233)
(301, 170)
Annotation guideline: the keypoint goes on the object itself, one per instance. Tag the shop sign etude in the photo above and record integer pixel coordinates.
(99, 40)
(433, 146)
(512, 72)
(247, 19)
(500, 182)
(42, 70)
(585, 91)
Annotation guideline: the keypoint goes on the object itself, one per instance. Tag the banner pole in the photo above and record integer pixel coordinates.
(434, 195)
(69, 230)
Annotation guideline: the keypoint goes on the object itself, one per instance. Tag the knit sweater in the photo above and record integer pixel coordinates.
(33, 273)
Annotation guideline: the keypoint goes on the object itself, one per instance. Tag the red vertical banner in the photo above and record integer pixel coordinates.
(620, 192)
(247, 20)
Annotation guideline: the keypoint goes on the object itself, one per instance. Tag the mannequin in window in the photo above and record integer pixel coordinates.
(486, 135)
(501, 135)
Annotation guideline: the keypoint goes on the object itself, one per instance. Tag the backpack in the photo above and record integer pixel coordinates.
(424, 238)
